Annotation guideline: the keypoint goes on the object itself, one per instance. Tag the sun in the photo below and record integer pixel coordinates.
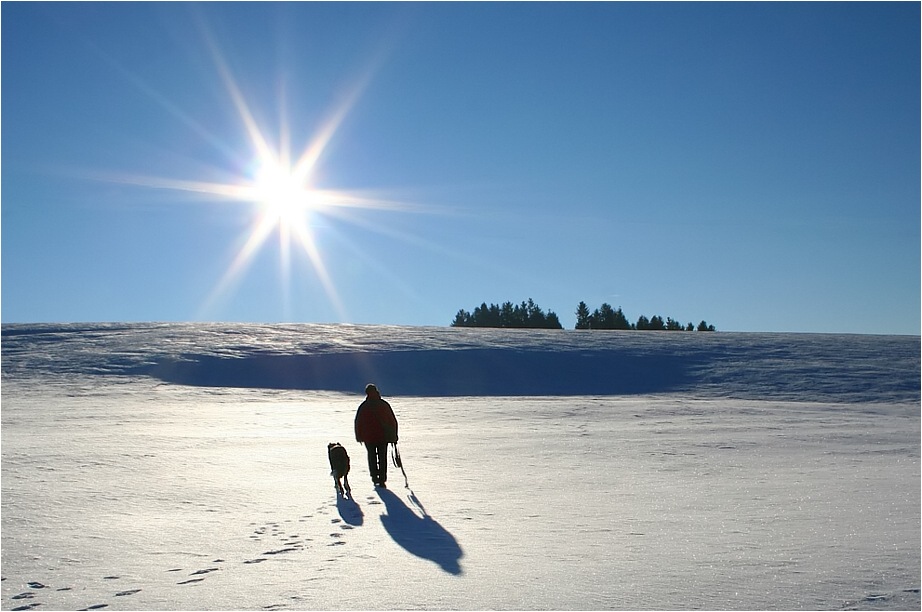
(283, 193)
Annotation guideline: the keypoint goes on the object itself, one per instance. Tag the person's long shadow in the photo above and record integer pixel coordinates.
(349, 511)
(420, 535)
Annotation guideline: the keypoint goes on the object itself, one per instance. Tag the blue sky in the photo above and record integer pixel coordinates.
(755, 165)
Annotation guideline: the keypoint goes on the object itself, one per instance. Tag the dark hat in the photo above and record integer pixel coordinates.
(370, 388)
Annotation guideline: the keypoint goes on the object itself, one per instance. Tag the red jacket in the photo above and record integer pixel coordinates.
(375, 422)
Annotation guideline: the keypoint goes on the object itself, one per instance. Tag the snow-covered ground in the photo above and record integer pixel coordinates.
(184, 467)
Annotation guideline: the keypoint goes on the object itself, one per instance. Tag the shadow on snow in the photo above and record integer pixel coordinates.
(439, 373)
(349, 511)
(418, 534)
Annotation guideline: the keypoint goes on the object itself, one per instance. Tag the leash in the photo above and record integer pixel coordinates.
(395, 457)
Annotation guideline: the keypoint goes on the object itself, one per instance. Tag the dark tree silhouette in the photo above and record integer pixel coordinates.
(525, 315)
(462, 319)
(582, 316)
(606, 317)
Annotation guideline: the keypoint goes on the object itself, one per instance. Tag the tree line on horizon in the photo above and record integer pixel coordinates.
(529, 315)
(606, 317)
(525, 315)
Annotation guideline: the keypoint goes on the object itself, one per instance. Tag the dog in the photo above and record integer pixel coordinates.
(339, 467)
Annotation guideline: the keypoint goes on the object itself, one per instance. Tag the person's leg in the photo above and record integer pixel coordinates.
(382, 462)
(372, 461)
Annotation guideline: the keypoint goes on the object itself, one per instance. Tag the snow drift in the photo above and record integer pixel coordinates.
(441, 362)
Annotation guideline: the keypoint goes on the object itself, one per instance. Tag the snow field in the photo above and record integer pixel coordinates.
(125, 493)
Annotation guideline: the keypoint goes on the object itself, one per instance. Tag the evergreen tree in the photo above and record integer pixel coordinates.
(508, 316)
(582, 316)
(620, 321)
(462, 319)
(494, 319)
(605, 319)
(535, 317)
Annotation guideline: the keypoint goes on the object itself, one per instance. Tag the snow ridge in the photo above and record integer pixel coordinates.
(450, 362)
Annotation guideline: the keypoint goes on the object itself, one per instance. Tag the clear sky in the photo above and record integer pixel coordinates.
(755, 165)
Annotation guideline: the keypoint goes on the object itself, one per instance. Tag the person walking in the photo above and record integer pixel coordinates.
(376, 427)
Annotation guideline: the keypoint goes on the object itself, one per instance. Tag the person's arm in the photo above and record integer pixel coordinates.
(393, 420)
(358, 427)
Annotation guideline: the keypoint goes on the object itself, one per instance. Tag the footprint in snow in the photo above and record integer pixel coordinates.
(26, 595)
(877, 597)
(279, 551)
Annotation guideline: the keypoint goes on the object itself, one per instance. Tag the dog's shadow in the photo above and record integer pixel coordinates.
(349, 511)
(422, 535)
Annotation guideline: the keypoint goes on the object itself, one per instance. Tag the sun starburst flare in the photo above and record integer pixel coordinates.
(279, 188)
